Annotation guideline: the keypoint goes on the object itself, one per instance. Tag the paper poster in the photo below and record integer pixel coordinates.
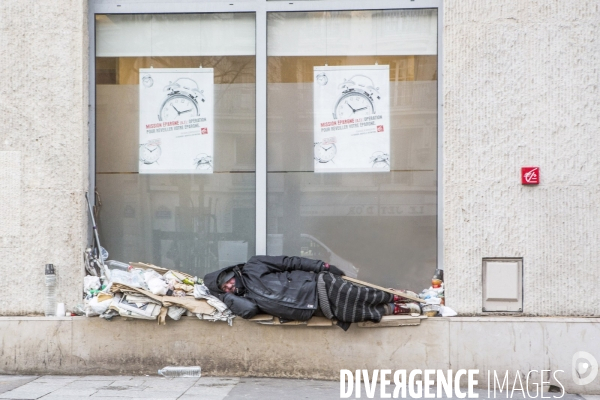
(176, 121)
(352, 118)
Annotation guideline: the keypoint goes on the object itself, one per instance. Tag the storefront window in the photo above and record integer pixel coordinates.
(352, 141)
(175, 138)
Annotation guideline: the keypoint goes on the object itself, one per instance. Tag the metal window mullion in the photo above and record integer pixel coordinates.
(92, 107)
(261, 128)
(440, 147)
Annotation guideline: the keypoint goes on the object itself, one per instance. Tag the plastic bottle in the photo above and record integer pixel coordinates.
(180, 372)
(113, 264)
(438, 278)
(50, 276)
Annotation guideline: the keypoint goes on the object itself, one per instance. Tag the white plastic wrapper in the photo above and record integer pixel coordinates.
(150, 274)
(176, 312)
(447, 312)
(158, 286)
(94, 308)
(155, 282)
(135, 278)
(169, 276)
(91, 283)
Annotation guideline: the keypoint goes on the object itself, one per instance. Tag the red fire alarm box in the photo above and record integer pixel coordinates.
(530, 175)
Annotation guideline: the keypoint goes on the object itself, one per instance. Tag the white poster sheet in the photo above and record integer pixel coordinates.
(352, 118)
(176, 121)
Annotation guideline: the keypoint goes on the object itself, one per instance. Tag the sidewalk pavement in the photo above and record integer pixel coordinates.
(205, 388)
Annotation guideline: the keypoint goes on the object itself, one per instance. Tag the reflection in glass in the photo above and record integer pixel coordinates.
(382, 226)
(193, 223)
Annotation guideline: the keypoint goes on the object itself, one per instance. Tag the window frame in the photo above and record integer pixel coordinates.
(260, 8)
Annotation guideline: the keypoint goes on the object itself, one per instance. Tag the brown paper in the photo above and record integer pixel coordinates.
(162, 316)
(197, 306)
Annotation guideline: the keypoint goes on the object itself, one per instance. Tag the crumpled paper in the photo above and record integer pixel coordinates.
(222, 313)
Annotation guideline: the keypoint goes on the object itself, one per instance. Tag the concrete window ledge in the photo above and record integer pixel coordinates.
(490, 318)
(89, 346)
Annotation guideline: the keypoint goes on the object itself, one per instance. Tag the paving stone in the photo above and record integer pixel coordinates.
(209, 391)
(74, 392)
(135, 394)
(86, 384)
(148, 377)
(207, 388)
(104, 378)
(57, 378)
(215, 381)
(31, 390)
(160, 396)
(128, 383)
(166, 381)
(10, 382)
(167, 388)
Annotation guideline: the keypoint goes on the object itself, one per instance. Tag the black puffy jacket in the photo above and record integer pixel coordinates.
(282, 286)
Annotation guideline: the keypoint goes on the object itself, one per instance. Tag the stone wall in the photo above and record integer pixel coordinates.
(43, 150)
(521, 89)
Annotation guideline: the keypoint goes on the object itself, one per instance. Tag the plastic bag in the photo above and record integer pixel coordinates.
(135, 278)
(93, 307)
(155, 282)
(114, 264)
(433, 300)
(171, 278)
(91, 283)
(176, 312)
(447, 312)
(79, 309)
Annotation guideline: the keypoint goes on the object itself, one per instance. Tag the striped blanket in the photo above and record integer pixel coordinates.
(348, 303)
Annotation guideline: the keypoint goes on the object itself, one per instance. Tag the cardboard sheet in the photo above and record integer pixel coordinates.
(197, 306)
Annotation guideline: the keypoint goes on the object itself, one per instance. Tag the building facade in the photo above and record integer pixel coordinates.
(476, 91)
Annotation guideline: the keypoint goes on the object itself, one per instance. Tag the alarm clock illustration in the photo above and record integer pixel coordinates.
(379, 159)
(325, 152)
(357, 98)
(147, 81)
(203, 161)
(181, 101)
(322, 79)
(150, 152)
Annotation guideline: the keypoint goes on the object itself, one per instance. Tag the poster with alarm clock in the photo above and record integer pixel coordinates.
(352, 118)
(176, 129)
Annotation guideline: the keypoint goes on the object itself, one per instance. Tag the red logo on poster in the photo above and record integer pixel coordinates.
(379, 128)
(204, 131)
(530, 175)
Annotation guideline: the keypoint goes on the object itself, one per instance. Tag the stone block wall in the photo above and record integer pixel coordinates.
(521, 89)
(43, 150)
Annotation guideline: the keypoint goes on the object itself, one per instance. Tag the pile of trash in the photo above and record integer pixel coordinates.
(142, 291)
(146, 291)
(434, 298)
